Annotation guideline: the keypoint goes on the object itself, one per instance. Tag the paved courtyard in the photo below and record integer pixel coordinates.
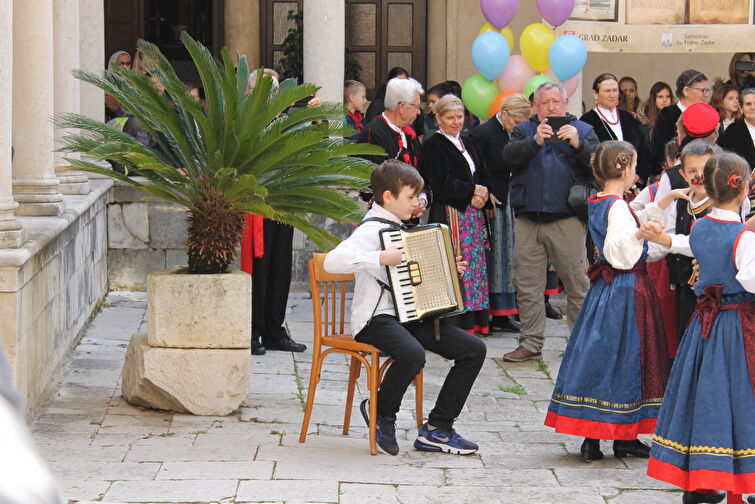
(103, 450)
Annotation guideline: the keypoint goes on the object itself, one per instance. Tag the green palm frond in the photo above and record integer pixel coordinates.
(240, 152)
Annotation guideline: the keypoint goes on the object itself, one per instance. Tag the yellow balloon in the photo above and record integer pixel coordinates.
(506, 32)
(535, 44)
(509, 36)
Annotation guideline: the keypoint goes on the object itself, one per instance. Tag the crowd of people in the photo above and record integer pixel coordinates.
(660, 291)
(640, 211)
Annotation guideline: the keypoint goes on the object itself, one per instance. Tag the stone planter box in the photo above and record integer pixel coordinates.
(195, 357)
(199, 311)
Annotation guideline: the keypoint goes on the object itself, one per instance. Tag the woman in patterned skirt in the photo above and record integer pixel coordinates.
(457, 175)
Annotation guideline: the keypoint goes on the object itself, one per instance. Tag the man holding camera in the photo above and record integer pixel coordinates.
(544, 162)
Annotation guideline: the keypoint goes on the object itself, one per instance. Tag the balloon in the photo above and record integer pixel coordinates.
(535, 43)
(495, 107)
(570, 85)
(555, 11)
(490, 54)
(516, 75)
(534, 83)
(499, 13)
(506, 32)
(478, 93)
(567, 56)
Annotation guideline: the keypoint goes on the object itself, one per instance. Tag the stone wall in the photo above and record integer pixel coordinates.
(143, 236)
(51, 286)
(148, 236)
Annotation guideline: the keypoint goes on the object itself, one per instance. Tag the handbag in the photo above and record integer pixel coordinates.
(579, 190)
(578, 194)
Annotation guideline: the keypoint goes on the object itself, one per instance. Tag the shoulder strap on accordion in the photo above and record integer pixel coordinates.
(384, 221)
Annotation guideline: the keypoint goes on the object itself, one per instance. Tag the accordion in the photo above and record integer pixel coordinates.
(426, 283)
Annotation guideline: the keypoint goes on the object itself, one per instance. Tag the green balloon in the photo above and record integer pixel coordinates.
(534, 83)
(478, 94)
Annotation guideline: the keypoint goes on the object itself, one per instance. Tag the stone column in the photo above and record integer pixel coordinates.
(242, 29)
(11, 233)
(67, 95)
(324, 45)
(35, 186)
(92, 55)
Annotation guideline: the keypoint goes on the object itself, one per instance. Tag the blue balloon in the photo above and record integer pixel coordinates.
(567, 56)
(490, 54)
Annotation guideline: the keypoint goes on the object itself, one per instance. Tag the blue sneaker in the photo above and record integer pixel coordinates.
(443, 440)
(385, 433)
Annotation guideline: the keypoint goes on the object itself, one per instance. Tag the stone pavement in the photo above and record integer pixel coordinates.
(103, 450)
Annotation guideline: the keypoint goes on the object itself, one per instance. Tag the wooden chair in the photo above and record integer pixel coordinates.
(329, 321)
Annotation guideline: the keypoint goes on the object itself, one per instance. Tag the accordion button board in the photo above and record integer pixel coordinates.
(425, 284)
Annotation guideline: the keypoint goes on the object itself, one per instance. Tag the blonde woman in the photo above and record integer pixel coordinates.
(458, 177)
(491, 138)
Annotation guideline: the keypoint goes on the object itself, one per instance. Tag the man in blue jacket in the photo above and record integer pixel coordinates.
(544, 164)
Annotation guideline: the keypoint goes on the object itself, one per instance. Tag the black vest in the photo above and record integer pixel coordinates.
(680, 266)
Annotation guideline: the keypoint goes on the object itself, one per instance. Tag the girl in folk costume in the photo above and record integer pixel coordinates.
(456, 171)
(705, 437)
(615, 367)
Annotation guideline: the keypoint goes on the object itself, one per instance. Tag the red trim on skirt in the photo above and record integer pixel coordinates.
(701, 478)
(501, 313)
(481, 329)
(599, 430)
(553, 292)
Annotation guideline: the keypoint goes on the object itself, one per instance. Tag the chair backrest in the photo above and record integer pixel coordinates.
(328, 302)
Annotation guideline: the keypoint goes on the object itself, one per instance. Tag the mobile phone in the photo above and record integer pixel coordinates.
(555, 122)
(745, 66)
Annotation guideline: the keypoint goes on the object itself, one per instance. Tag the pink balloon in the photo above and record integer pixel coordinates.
(516, 75)
(570, 85)
(499, 13)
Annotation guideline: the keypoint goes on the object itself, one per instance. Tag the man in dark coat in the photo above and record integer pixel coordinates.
(739, 137)
(544, 164)
(392, 129)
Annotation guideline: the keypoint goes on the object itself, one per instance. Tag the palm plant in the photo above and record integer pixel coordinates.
(242, 153)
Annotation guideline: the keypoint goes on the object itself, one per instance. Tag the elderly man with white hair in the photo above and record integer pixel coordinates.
(392, 129)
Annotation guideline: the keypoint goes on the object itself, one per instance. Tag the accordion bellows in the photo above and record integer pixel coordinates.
(426, 283)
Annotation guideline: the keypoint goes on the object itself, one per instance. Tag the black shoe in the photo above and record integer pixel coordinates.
(635, 447)
(385, 430)
(504, 324)
(590, 450)
(697, 498)
(257, 348)
(286, 344)
(551, 312)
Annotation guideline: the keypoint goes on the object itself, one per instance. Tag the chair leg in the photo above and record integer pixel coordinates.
(418, 380)
(353, 375)
(373, 384)
(314, 377)
(732, 498)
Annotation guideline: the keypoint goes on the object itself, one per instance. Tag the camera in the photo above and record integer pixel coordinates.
(745, 66)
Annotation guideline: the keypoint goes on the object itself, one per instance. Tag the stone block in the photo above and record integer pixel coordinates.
(128, 269)
(125, 193)
(195, 381)
(128, 226)
(175, 258)
(167, 225)
(199, 311)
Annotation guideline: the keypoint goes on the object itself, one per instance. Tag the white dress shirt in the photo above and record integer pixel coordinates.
(622, 249)
(604, 113)
(360, 254)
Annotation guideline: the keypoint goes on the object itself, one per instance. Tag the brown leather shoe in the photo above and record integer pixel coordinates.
(521, 354)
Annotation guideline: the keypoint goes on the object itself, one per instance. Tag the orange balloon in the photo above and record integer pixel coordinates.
(495, 107)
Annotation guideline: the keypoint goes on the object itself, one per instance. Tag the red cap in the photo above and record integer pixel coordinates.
(700, 120)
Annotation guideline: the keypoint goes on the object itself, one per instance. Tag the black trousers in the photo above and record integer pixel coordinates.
(271, 280)
(406, 345)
